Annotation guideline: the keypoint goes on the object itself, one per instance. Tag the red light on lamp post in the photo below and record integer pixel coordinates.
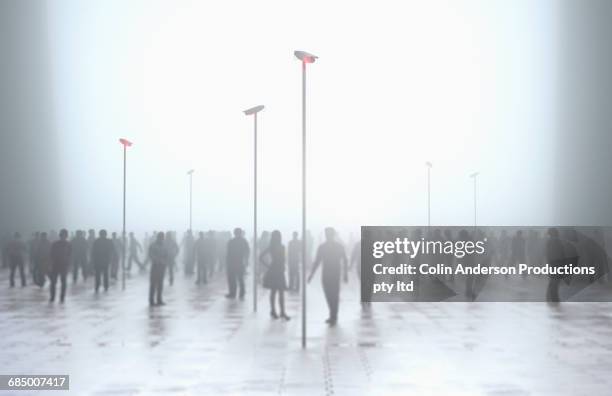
(305, 56)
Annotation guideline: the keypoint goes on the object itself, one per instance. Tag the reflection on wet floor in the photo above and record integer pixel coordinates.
(200, 344)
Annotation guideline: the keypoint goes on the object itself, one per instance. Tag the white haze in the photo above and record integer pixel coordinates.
(467, 85)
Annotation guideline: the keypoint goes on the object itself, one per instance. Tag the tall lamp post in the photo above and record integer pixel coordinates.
(253, 111)
(190, 173)
(126, 143)
(474, 176)
(429, 166)
(306, 58)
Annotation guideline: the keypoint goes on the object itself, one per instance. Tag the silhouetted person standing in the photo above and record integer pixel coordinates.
(468, 261)
(200, 252)
(6, 239)
(118, 253)
(262, 244)
(135, 248)
(102, 254)
(79, 256)
(555, 255)
(206, 255)
(237, 257)
(173, 251)
(534, 248)
(16, 251)
(333, 257)
(475, 283)
(449, 258)
(159, 256)
(61, 252)
(274, 278)
(91, 238)
(147, 244)
(356, 259)
(221, 240)
(32, 243)
(188, 253)
(517, 250)
(294, 252)
(41, 267)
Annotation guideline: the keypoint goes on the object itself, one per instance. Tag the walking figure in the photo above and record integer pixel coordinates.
(159, 256)
(237, 258)
(32, 244)
(333, 257)
(118, 245)
(135, 249)
(41, 259)
(79, 256)
(188, 253)
(61, 252)
(555, 255)
(173, 251)
(16, 250)
(103, 253)
(206, 255)
(91, 238)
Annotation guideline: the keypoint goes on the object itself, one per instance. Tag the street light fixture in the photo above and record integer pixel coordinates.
(306, 58)
(125, 143)
(253, 111)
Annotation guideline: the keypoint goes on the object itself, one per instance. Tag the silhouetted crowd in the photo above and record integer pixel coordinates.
(55, 256)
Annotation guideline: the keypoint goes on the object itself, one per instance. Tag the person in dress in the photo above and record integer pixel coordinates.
(274, 278)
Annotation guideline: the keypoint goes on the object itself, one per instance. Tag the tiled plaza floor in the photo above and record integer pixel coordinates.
(202, 344)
